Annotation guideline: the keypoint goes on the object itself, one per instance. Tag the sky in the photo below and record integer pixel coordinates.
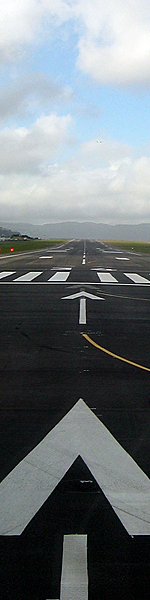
(75, 111)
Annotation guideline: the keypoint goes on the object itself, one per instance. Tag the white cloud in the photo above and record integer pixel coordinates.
(23, 22)
(29, 149)
(101, 181)
(116, 190)
(115, 44)
(31, 93)
(113, 36)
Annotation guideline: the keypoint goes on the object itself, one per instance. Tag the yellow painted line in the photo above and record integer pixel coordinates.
(129, 362)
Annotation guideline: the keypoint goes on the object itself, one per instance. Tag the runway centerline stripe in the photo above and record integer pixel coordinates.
(106, 277)
(29, 276)
(6, 273)
(137, 278)
(129, 362)
(60, 276)
(74, 580)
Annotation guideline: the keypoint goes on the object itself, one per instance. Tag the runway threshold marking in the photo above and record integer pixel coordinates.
(136, 278)
(60, 276)
(106, 277)
(129, 362)
(6, 274)
(79, 433)
(28, 276)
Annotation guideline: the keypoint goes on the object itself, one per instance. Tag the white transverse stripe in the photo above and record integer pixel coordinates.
(29, 276)
(106, 277)
(82, 312)
(137, 278)
(6, 273)
(74, 580)
(79, 433)
(60, 276)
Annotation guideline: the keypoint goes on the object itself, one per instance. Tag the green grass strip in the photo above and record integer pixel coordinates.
(142, 247)
(24, 246)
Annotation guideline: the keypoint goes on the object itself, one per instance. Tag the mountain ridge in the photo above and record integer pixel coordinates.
(87, 229)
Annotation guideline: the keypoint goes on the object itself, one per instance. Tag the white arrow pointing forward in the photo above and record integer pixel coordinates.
(82, 310)
(79, 433)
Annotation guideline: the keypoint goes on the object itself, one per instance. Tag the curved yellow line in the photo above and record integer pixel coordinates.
(129, 362)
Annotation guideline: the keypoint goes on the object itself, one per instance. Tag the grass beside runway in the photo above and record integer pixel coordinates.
(20, 246)
(142, 247)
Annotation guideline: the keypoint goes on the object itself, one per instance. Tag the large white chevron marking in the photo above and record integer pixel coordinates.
(80, 432)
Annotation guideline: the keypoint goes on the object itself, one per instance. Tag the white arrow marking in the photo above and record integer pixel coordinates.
(82, 310)
(82, 295)
(79, 433)
(74, 580)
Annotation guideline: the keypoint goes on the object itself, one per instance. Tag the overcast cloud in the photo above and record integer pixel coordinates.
(29, 94)
(75, 73)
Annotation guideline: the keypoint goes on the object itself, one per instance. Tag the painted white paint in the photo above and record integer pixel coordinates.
(82, 312)
(60, 276)
(82, 295)
(74, 579)
(76, 283)
(106, 277)
(28, 276)
(79, 433)
(137, 278)
(82, 309)
(6, 274)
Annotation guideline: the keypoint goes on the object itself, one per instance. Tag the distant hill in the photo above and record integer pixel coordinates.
(89, 230)
(5, 232)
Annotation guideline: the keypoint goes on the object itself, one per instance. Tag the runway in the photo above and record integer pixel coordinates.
(75, 423)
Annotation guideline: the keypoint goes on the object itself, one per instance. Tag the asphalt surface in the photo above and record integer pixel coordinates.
(46, 366)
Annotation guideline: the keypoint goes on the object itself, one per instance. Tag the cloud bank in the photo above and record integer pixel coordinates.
(46, 172)
(113, 36)
(113, 186)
